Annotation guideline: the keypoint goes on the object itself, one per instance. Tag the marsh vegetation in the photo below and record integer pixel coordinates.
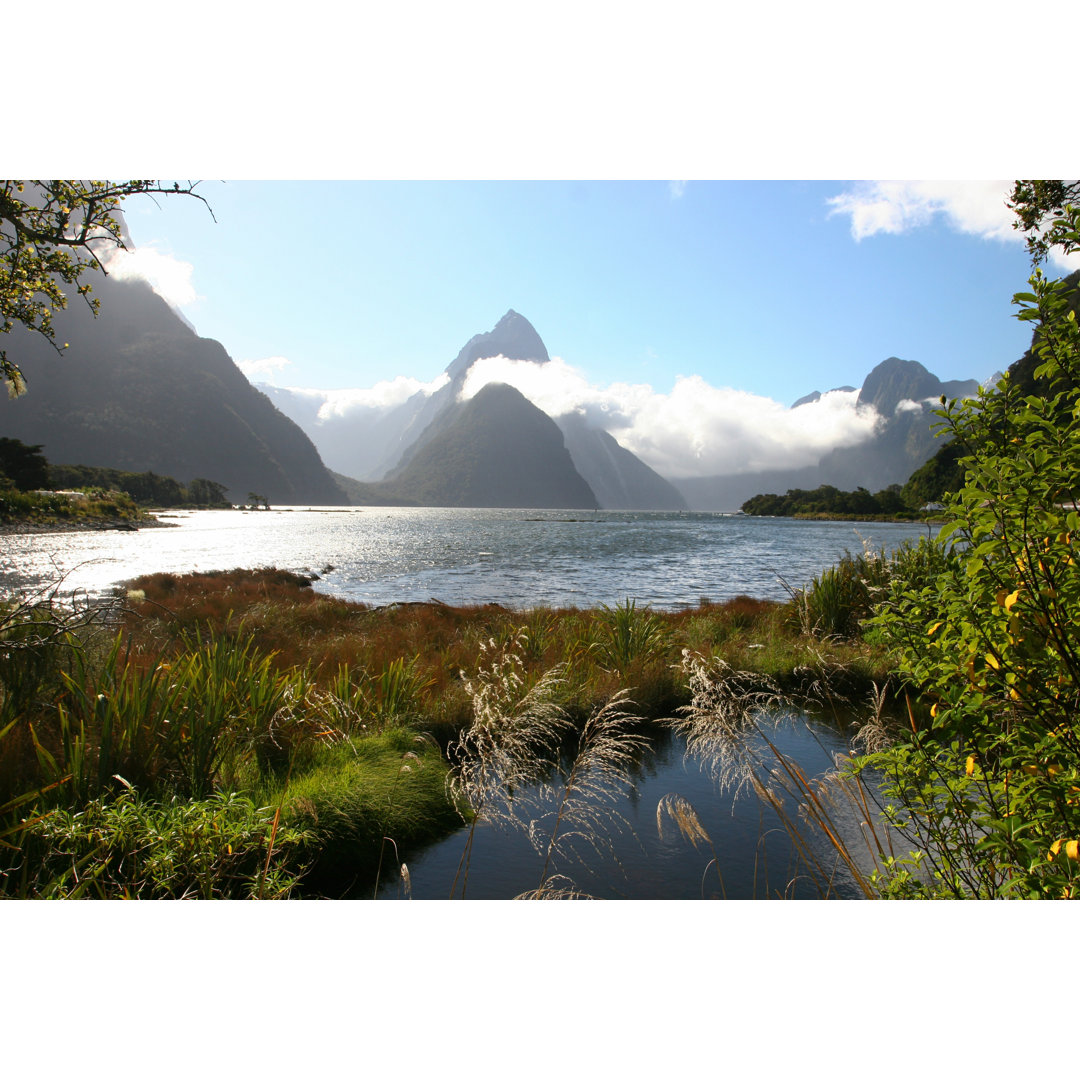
(239, 734)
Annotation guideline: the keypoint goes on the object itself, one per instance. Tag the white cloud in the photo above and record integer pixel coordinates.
(676, 188)
(696, 429)
(264, 367)
(897, 206)
(169, 277)
(339, 404)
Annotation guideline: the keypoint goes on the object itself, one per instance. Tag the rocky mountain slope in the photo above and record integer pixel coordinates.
(138, 390)
(497, 449)
(380, 446)
(905, 395)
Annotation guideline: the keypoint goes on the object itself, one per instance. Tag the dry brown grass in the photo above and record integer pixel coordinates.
(305, 628)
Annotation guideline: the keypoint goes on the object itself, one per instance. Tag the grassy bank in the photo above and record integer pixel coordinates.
(239, 734)
(48, 511)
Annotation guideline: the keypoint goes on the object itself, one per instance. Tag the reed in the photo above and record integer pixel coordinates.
(607, 746)
(728, 728)
(501, 762)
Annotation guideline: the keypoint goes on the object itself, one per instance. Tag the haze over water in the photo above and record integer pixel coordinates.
(517, 558)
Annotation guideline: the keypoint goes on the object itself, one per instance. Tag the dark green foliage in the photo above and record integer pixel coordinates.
(828, 501)
(1039, 206)
(941, 475)
(202, 492)
(989, 788)
(147, 489)
(25, 466)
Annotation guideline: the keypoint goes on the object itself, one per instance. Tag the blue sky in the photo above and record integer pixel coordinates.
(765, 287)
(427, 168)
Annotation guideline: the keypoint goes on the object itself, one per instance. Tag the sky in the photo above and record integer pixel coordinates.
(682, 316)
(660, 193)
(776, 288)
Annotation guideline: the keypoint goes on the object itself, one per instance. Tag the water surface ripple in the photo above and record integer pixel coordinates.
(517, 558)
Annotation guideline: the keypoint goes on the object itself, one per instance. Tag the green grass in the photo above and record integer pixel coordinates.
(362, 803)
(343, 720)
(38, 509)
(128, 847)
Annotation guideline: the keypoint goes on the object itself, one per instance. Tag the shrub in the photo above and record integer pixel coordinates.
(990, 787)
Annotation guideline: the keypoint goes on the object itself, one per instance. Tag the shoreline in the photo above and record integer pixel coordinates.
(32, 528)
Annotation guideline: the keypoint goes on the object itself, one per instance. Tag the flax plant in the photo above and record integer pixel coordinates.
(627, 636)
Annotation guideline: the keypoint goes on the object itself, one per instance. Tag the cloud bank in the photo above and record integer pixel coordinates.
(381, 397)
(254, 369)
(169, 277)
(897, 206)
(696, 429)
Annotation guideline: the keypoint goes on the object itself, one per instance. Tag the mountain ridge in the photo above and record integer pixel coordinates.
(140, 391)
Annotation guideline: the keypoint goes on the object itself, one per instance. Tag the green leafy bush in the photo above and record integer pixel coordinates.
(990, 786)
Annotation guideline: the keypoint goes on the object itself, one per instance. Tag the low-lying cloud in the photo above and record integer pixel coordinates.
(257, 369)
(169, 277)
(381, 397)
(696, 429)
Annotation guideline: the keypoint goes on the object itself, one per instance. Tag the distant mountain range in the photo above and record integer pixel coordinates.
(138, 390)
(903, 393)
(496, 449)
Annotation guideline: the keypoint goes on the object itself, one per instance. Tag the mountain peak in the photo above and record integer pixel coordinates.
(513, 336)
(895, 380)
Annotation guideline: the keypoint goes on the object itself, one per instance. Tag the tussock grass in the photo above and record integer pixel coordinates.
(840, 600)
(360, 803)
(206, 685)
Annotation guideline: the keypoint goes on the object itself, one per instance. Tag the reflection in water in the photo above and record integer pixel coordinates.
(632, 860)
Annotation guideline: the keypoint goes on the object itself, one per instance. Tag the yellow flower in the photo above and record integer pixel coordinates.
(1072, 849)
(969, 767)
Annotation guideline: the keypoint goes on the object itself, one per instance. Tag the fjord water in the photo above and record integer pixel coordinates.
(521, 559)
(517, 558)
(632, 859)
